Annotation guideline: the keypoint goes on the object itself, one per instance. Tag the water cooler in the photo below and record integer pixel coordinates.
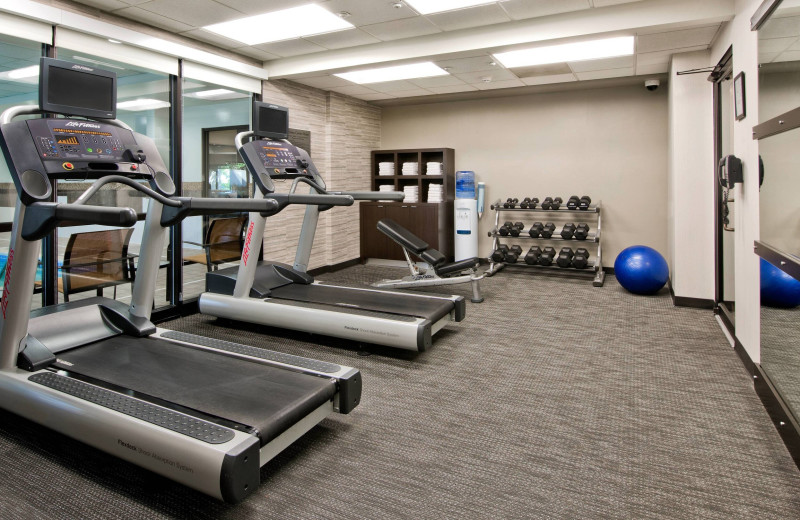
(466, 216)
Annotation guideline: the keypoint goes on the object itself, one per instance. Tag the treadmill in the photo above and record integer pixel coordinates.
(203, 412)
(280, 295)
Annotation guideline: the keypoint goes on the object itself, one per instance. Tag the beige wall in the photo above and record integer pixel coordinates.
(343, 131)
(610, 144)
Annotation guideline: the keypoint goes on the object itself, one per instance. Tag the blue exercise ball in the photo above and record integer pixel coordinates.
(641, 270)
(778, 289)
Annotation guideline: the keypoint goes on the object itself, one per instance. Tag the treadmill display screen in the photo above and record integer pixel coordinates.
(277, 154)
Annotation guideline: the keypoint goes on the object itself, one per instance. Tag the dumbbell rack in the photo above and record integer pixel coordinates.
(595, 268)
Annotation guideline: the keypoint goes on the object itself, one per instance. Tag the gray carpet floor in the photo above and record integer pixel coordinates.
(553, 399)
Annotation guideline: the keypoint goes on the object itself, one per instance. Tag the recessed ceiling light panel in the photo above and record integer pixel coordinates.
(398, 72)
(142, 104)
(281, 25)
(25, 72)
(437, 6)
(579, 51)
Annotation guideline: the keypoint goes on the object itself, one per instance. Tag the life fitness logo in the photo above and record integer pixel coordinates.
(7, 283)
(246, 249)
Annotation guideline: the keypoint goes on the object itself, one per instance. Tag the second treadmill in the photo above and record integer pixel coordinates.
(280, 295)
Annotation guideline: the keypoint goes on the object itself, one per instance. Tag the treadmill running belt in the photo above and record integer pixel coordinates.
(432, 309)
(265, 398)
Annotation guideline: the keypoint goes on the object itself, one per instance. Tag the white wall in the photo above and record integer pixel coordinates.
(745, 59)
(690, 195)
(610, 144)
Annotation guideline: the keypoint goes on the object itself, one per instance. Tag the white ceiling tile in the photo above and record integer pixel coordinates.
(793, 47)
(606, 3)
(105, 5)
(398, 29)
(653, 58)
(521, 9)
(412, 93)
(136, 13)
(452, 88)
(662, 57)
(548, 80)
(607, 63)
(603, 74)
(374, 97)
(780, 27)
(775, 44)
(465, 65)
(289, 47)
(352, 90)
(135, 2)
(509, 83)
(497, 74)
(341, 39)
(767, 57)
(392, 86)
(212, 38)
(323, 82)
(368, 12)
(258, 54)
(787, 56)
(436, 81)
(473, 17)
(654, 68)
(675, 39)
(261, 6)
(194, 12)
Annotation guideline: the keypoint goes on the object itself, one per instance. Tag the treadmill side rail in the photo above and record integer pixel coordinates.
(194, 463)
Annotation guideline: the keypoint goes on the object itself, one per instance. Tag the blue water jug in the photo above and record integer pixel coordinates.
(465, 184)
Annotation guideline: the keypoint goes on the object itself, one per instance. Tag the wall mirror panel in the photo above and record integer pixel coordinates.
(779, 95)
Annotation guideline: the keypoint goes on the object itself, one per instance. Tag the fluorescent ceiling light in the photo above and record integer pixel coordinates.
(415, 70)
(142, 104)
(281, 25)
(437, 6)
(580, 51)
(217, 93)
(25, 72)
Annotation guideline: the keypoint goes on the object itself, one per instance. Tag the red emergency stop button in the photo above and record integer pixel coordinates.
(68, 166)
(134, 167)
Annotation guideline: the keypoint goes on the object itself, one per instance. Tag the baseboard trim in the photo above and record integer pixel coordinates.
(781, 416)
(335, 267)
(685, 301)
(172, 312)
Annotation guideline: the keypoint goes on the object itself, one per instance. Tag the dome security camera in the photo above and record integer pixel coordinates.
(652, 84)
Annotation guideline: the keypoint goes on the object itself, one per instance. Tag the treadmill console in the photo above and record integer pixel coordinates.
(68, 146)
(277, 159)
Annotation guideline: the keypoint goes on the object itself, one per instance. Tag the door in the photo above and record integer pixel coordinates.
(725, 203)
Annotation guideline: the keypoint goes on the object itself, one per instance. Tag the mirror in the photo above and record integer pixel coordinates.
(779, 92)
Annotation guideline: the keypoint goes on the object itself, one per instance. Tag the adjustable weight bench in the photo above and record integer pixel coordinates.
(440, 272)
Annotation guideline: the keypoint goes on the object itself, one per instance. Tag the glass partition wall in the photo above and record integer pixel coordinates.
(212, 116)
(778, 97)
(198, 118)
(19, 85)
(142, 103)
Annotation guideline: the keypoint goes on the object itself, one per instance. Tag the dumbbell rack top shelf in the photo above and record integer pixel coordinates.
(591, 238)
(596, 264)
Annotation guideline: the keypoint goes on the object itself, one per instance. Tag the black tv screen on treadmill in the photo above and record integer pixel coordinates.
(271, 121)
(75, 89)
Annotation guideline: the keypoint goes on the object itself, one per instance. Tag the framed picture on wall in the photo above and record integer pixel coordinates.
(738, 96)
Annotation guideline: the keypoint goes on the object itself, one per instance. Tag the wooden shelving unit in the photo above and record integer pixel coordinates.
(431, 221)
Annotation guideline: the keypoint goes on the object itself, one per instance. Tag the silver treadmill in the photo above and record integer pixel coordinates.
(203, 412)
(280, 295)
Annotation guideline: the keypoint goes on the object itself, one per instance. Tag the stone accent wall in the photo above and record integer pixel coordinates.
(343, 132)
